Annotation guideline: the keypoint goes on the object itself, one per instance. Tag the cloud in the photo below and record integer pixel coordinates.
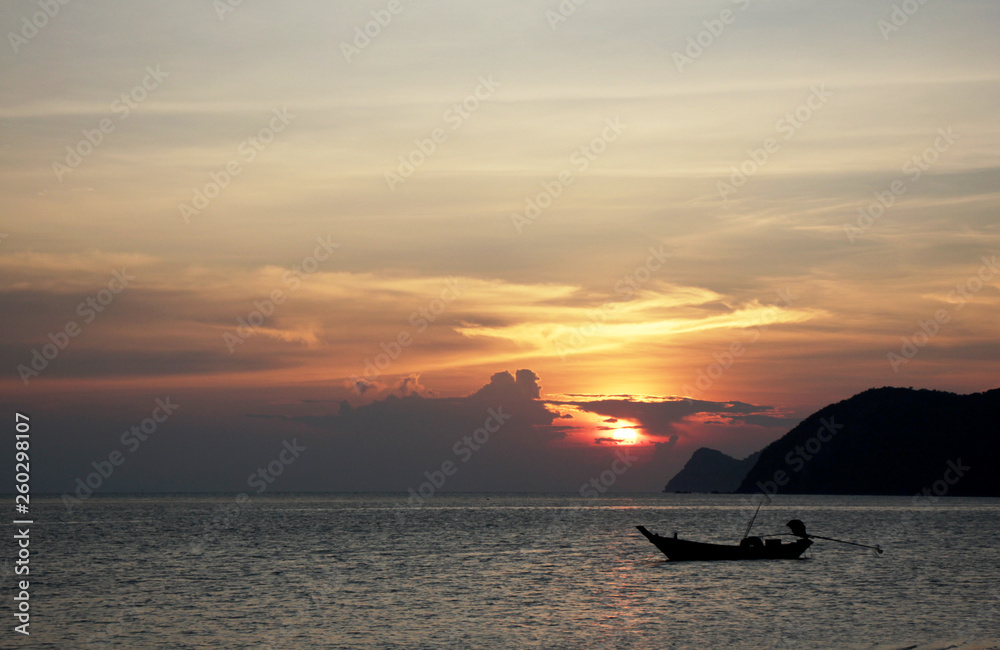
(670, 442)
(398, 439)
(503, 384)
(499, 436)
(504, 436)
(762, 420)
(599, 324)
(364, 391)
(662, 418)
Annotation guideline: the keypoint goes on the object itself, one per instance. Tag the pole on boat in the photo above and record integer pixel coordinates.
(799, 530)
(750, 525)
(876, 548)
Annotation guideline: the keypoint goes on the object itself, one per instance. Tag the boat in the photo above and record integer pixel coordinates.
(749, 548)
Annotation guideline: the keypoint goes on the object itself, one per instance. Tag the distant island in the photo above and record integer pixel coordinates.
(890, 441)
(711, 471)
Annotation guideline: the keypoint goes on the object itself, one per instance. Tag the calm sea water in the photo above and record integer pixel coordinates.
(502, 571)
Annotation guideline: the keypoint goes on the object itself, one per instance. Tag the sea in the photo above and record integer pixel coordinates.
(502, 571)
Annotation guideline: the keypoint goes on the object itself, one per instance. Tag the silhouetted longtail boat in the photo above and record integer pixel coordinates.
(749, 548)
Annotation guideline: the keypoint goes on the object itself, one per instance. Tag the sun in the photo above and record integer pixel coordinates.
(625, 436)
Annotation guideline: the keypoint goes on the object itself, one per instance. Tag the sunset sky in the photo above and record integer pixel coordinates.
(693, 222)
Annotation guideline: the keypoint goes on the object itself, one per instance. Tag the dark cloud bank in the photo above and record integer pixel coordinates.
(503, 437)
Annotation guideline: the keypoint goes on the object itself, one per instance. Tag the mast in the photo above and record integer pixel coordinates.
(750, 525)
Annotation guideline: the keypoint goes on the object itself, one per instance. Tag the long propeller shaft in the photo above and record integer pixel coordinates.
(877, 549)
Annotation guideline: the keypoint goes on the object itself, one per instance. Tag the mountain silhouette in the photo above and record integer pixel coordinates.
(893, 441)
(709, 470)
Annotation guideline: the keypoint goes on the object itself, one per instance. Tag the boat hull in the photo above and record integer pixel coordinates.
(684, 550)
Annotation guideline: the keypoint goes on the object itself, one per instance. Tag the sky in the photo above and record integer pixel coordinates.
(613, 232)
